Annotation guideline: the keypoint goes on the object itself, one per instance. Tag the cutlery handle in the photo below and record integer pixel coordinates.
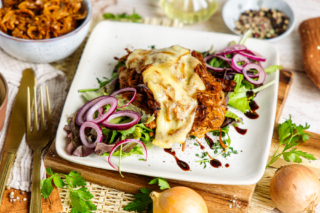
(35, 203)
(7, 160)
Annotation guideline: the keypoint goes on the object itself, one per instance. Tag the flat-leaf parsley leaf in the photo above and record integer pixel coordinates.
(289, 135)
(80, 198)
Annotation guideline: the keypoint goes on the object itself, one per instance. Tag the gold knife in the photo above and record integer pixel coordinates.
(17, 127)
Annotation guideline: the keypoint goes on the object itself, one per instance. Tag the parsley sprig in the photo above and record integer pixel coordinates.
(80, 198)
(290, 136)
(143, 199)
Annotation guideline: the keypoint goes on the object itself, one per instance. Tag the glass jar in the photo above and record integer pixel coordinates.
(189, 11)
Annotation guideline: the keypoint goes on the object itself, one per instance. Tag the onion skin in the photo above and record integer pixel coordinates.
(295, 189)
(178, 200)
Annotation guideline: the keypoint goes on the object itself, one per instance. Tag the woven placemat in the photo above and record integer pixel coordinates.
(106, 199)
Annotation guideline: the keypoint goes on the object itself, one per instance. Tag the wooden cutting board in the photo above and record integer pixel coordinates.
(219, 198)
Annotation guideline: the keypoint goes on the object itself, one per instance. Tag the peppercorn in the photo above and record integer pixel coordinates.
(265, 23)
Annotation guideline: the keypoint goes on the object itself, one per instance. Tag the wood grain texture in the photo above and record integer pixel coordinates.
(218, 197)
(285, 81)
(50, 205)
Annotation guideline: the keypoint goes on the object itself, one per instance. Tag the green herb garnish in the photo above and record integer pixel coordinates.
(289, 135)
(80, 198)
(163, 183)
(143, 199)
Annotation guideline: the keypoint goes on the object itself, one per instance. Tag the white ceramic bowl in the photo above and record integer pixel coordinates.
(47, 50)
(233, 8)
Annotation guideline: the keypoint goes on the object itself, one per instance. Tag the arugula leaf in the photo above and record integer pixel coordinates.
(230, 114)
(272, 68)
(289, 135)
(107, 81)
(142, 200)
(163, 183)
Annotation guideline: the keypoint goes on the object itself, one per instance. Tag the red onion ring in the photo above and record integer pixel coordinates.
(232, 68)
(106, 100)
(261, 73)
(124, 90)
(216, 69)
(252, 55)
(124, 142)
(90, 124)
(134, 115)
(224, 57)
(231, 49)
(208, 57)
(83, 110)
(239, 58)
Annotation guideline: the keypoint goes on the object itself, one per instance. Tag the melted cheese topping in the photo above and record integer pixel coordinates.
(171, 77)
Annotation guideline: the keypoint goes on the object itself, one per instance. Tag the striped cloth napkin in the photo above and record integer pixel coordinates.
(57, 82)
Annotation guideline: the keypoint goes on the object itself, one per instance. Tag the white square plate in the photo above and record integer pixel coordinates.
(109, 39)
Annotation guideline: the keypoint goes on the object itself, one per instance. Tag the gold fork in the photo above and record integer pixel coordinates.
(37, 139)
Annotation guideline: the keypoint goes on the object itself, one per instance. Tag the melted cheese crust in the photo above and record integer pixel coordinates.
(171, 77)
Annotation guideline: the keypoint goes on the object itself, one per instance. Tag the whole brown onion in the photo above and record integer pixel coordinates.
(178, 200)
(295, 189)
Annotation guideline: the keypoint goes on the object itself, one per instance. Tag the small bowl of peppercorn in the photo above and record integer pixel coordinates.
(270, 20)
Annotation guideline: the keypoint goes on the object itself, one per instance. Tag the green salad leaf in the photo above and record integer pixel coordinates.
(230, 114)
(89, 95)
(272, 68)
(145, 118)
(238, 99)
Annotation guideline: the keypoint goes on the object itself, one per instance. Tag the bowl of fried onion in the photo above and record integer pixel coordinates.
(43, 31)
